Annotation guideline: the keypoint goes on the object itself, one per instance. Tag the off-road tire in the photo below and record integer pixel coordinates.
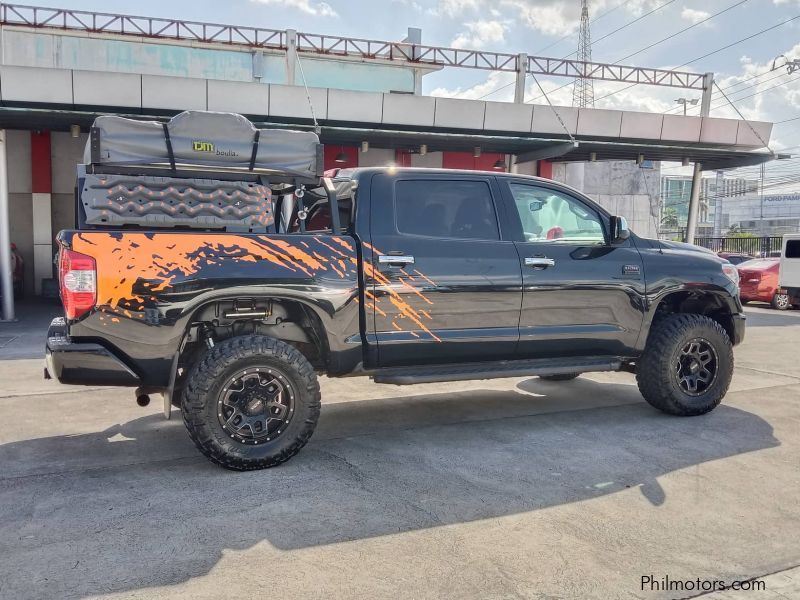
(656, 370)
(563, 377)
(780, 302)
(204, 385)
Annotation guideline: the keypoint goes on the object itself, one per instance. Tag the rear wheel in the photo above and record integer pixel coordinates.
(565, 377)
(780, 302)
(251, 402)
(687, 365)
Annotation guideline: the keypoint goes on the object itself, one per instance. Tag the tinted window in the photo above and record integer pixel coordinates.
(735, 259)
(793, 249)
(549, 216)
(449, 209)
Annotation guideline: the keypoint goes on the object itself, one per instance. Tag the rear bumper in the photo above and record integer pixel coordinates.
(759, 294)
(738, 321)
(83, 363)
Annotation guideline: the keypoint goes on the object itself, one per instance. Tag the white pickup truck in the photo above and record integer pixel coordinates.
(789, 278)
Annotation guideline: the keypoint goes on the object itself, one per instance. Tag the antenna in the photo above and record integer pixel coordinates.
(583, 91)
(317, 128)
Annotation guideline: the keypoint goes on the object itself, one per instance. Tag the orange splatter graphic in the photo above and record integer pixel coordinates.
(425, 278)
(405, 309)
(415, 290)
(345, 244)
(152, 263)
(374, 306)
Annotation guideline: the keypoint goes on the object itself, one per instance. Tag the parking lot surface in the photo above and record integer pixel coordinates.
(485, 489)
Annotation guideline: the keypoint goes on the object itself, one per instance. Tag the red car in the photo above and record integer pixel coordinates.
(734, 258)
(758, 281)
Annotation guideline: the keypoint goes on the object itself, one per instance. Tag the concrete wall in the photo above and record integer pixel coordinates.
(376, 157)
(621, 187)
(66, 153)
(18, 154)
(432, 160)
(69, 88)
(107, 53)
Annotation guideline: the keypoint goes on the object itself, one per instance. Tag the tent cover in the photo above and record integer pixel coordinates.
(201, 139)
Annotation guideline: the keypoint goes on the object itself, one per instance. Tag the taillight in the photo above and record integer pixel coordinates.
(731, 273)
(77, 274)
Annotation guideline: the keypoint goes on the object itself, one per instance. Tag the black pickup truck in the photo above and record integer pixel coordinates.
(404, 275)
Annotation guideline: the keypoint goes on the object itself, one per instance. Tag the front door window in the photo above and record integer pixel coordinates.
(551, 217)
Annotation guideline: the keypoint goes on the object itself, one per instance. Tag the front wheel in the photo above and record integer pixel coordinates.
(251, 402)
(780, 302)
(687, 365)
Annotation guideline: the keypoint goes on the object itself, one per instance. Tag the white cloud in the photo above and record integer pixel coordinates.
(694, 16)
(456, 8)
(497, 80)
(415, 6)
(551, 17)
(480, 33)
(317, 9)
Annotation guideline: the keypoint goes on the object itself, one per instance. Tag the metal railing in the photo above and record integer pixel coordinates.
(174, 29)
(753, 246)
(364, 49)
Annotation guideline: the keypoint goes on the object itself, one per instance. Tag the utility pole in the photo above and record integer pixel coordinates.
(583, 92)
(6, 279)
(718, 205)
(694, 199)
(761, 199)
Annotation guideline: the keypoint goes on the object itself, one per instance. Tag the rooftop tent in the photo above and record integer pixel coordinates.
(203, 140)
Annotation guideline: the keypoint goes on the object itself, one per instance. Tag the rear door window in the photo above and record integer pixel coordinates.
(446, 209)
(793, 249)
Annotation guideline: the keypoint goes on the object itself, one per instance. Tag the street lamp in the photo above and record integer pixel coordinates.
(685, 101)
(791, 65)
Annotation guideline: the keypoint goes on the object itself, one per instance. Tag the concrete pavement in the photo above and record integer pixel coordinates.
(492, 489)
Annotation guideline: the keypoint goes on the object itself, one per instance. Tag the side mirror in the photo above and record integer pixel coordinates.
(619, 229)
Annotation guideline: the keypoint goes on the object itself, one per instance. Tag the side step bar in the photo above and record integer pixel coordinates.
(495, 370)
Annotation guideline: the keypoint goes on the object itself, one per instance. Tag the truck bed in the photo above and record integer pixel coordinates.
(150, 284)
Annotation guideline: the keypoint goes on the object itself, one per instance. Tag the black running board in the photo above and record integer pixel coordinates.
(495, 370)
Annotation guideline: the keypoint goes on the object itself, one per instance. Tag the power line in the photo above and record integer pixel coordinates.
(595, 20)
(772, 87)
(685, 29)
(731, 45)
(569, 35)
(609, 34)
(636, 20)
(595, 42)
(744, 89)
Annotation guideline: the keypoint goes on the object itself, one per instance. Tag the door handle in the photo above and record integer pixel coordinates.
(539, 262)
(388, 259)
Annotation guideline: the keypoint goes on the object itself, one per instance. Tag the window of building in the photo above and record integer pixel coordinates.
(446, 209)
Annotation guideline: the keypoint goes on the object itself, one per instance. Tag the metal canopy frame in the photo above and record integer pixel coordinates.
(417, 55)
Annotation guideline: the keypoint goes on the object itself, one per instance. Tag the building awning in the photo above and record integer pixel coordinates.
(527, 148)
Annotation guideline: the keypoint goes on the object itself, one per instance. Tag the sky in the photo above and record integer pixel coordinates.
(622, 31)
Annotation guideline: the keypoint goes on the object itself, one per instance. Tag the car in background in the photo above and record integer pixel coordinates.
(734, 258)
(758, 282)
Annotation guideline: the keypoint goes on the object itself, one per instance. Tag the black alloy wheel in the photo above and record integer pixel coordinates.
(256, 405)
(696, 366)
